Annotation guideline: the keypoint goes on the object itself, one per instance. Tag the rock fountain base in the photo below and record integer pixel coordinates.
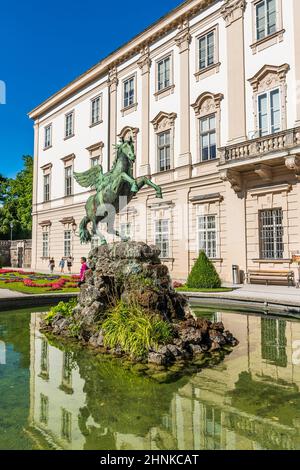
(132, 273)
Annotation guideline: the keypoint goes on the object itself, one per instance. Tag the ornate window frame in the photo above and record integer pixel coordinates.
(96, 151)
(169, 89)
(163, 211)
(48, 126)
(69, 113)
(205, 105)
(68, 161)
(164, 122)
(92, 100)
(213, 68)
(207, 205)
(132, 107)
(274, 38)
(47, 171)
(46, 226)
(268, 78)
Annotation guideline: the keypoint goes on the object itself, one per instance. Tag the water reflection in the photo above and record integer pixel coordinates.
(79, 400)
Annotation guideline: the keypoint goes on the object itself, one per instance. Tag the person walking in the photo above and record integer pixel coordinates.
(83, 269)
(51, 265)
(69, 264)
(62, 265)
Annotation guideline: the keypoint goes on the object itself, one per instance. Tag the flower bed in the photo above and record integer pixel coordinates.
(40, 281)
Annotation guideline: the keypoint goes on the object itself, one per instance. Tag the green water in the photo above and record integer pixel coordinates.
(55, 397)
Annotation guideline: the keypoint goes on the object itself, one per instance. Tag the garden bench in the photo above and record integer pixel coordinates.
(270, 276)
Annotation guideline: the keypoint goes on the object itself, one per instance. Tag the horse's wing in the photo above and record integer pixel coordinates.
(88, 178)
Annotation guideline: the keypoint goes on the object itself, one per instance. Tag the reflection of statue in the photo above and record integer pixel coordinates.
(117, 183)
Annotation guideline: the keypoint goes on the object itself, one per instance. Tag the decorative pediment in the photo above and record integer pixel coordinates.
(128, 132)
(67, 221)
(68, 158)
(96, 146)
(207, 103)
(163, 121)
(45, 223)
(46, 167)
(268, 77)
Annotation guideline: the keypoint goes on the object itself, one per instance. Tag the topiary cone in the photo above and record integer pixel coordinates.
(203, 274)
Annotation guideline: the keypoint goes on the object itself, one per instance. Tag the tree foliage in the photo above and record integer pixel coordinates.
(203, 274)
(16, 202)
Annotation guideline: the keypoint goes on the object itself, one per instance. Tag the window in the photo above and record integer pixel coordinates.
(207, 235)
(265, 18)
(164, 73)
(94, 161)
(44, 409)
(45, 245)
(162, 237)
(68, 181)
(271, 234)
(208, 147)
(207, 50)
(163, 146)
(67, 369)
(69, 125)
(273, 341)
(66, 425)
(269, 112)
(44, 359)
(46, 188)
(67, 243)
(125, 230)
(48, 136)
(95, 110)
(129, 93)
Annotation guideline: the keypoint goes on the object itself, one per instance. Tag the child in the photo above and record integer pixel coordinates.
(51, 265)
(69, 263)
(83, 269)
(62, 265)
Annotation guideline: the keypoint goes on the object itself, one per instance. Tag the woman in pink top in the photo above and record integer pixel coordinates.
(83, 269)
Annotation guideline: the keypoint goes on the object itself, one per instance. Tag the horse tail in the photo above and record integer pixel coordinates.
(84, 234)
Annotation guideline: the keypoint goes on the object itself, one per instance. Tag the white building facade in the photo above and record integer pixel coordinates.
(211, 95)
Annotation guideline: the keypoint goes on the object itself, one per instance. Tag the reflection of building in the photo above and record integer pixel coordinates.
(249, 401)
(2, 352)
(56, 393)
(208, 93)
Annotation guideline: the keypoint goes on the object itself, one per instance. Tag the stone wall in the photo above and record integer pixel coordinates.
(4, 252)
(20, 253)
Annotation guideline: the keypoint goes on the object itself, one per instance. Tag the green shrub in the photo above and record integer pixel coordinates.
(203, 274)
(64, 308)
(134, 329)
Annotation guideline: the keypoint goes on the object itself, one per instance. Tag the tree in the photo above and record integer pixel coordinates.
(3, 188)
(203, 274)
(16, 200)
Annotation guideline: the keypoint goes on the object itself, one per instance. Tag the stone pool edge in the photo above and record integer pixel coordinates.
(223, 300)
(34, 300)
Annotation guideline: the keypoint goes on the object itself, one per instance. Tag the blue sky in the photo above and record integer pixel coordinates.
(45, 45)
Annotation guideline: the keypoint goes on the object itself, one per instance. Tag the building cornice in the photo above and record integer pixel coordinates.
(167, 23)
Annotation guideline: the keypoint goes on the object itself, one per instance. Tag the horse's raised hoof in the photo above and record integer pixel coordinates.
(159, 194)
(134, 188)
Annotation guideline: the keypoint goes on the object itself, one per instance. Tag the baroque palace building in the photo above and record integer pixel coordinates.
(211, 95)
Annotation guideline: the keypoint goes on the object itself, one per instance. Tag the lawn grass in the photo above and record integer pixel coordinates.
(19, 287)
(190, 289)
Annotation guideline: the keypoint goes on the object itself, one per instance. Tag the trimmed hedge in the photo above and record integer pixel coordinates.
(203, 274)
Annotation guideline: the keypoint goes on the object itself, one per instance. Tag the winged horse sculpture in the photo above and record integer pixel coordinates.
(112, 189)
